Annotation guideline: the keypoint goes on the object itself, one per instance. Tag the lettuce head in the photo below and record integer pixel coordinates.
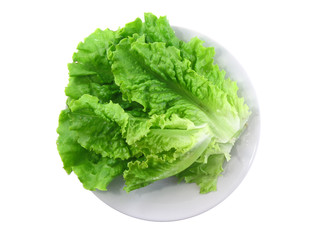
(145, 105)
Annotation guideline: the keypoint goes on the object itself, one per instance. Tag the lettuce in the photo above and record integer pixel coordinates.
(145, 105)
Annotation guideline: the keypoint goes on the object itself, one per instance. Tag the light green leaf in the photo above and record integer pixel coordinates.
(160, 80)
(205, 175)
(93, 170)
(90, 72)
(98, 127)
(143, 173)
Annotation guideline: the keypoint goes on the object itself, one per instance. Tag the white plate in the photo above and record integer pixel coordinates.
(166, 200)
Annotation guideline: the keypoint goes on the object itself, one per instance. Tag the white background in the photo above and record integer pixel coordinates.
(277, 42)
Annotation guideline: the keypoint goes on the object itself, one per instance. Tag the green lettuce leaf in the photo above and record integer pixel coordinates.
(205, 175)
(90, 72)
(160, 80)
(171, 145)
(98, 127)
(201, 58)
(159, 30)
(143, 173)
(93, 170)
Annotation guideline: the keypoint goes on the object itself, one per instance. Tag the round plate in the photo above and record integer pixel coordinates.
(168, 200)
